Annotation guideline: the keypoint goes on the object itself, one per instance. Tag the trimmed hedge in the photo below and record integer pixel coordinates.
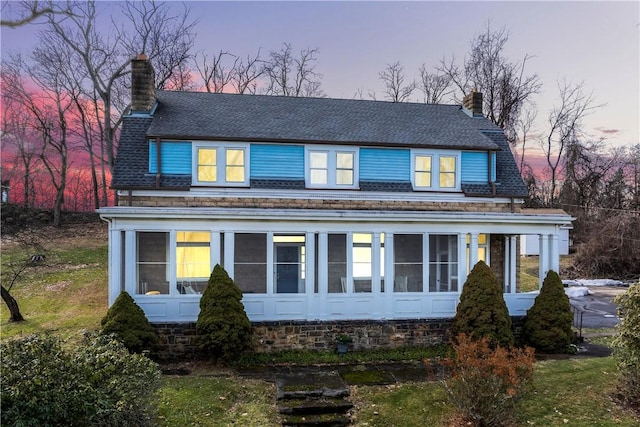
(126, 320)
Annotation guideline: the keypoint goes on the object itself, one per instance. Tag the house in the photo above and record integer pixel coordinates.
(324, 211)
(529, 245)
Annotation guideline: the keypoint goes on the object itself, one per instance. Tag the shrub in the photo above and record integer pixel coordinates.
(627, 348)
(97, 383)
(482, 311)
(126, 320)
(548, 326)
(223, 328)
(485, 383)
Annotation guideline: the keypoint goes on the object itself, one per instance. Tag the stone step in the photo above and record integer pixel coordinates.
(314, 406)
(317, 420)
(310, 384)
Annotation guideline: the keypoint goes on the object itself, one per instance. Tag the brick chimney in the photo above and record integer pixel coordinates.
(143, 89)
(472, 102)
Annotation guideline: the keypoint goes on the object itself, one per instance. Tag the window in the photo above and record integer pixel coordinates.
(443, 263)
(436, 171)
(289, 263)
(250, 265)
(221, 164)
(337, 249)
(362, 262)
(193, 260)
(483, 250)
(332, 167)
(152, 250)
(407, 256)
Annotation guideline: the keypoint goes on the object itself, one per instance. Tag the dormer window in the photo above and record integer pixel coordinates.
(221, 164)
(435, 170)
(331, 167)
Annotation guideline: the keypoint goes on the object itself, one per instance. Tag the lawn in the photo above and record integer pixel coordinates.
(69, 294)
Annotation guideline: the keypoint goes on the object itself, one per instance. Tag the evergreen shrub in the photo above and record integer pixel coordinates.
(223, 328)
(548, 326)
(482, 311)
(626, 345)
(46, 382)
(126, 320)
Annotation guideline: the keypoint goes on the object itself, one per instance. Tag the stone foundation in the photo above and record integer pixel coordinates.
(177, 341)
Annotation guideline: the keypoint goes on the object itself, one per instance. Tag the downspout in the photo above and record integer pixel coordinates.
(158, 162)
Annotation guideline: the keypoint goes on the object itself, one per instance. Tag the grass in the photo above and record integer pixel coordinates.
(70, 294)
(529, 271)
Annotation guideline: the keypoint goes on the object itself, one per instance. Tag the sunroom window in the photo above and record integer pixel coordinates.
(436, 170)
(193, 261)
(221, 164)
(152, 270)
(331, 167)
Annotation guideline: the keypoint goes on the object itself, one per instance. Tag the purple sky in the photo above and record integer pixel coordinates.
(594, 42)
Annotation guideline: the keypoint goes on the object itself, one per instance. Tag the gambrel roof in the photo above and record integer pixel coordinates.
(205, 116)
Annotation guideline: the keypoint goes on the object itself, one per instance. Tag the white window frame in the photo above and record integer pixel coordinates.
(332, 169)
(221, 164)
(435, 169)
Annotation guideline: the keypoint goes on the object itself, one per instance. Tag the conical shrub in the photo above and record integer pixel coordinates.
(548, 326)
(482, 312)
(223, 328)
(127, 321)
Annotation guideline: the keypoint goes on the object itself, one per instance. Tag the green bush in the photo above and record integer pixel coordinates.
(126, 320)
(548, 326)
(223, 328)
(627, 348)
(482, 311)
(486, 382)
(98, 383)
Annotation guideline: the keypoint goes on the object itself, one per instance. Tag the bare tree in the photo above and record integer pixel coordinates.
(564, 122)
(25, 12)
(434, 86)
(503, 83)
(525, 123)
(291, 75)
(396, 90)
(248, 73)
(215, 72)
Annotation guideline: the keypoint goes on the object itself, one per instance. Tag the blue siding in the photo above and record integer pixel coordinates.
(475, 166)
(277, 161)
(380, 164)
(175, 158)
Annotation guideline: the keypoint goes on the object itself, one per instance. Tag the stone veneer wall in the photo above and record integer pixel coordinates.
(177, 341)
(322, 204)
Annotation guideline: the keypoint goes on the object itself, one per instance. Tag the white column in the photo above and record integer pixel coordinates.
(375, 263)
(473, 250)
(214, 248)
(229, 252)
(543, 258)
(464, 261)
(554, 252)
(349, 278)
(512, 260)
(172, 263)
(389, 276)
(310, 275)
(130, 270)
(115, 261)
(271, 273)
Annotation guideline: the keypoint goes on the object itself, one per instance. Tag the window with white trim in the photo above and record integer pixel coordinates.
(435, 170)
(331, 167)
(221, 164)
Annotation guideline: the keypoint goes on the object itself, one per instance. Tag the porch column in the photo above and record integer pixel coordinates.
(389, 277)
(229, 252)
(473, 250)
(130, 272)
(510, 262)
(376, 263)
(310, 275)
(215, 249)
(464, 266)
(115, 261)
(554, 252)
(543, 258)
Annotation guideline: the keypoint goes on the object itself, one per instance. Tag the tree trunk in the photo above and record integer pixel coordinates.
(12, 304)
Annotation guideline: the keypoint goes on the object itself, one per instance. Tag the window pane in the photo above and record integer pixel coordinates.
(362, 262)
(250, 265)
(344, 177)
(318, 176)
(235, 174)
(447, 164)
(289, 265)
(193, 258)
(207, 169)
(152, 253)
(443, 263)
(408, 261)
(318, 160)
(423, 179)
(207, 156)
(344, 160)
(447, 180)
(423, 163)
(337, 248)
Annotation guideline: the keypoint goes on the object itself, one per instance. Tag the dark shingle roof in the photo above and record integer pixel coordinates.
(508, 176)
(201, 115)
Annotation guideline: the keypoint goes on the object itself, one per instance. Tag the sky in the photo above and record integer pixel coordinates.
(597, 43)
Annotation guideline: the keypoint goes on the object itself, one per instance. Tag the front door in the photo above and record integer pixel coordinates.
(287, 268)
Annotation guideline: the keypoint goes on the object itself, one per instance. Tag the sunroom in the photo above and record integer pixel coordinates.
(303, 265)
